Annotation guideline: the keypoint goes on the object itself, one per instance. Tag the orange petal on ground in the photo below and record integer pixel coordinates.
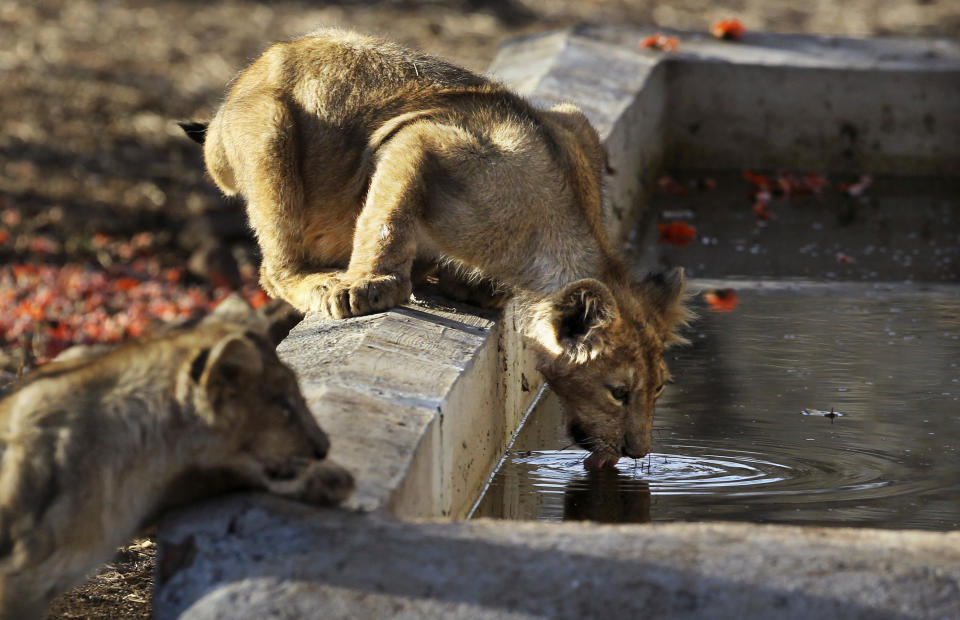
(660, 41)
(258, 299)
(126, 284)
(728, 29)
(650, 41)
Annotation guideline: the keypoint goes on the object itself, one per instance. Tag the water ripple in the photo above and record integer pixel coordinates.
(693, 470)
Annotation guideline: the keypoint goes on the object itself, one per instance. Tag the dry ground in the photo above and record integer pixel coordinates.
(90, 90)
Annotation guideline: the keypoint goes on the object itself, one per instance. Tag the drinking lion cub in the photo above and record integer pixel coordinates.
(94, 445)
(357, 157)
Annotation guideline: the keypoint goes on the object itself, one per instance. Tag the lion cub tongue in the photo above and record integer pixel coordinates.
(596, 462)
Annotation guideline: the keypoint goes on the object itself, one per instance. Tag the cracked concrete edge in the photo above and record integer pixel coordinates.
(333, 564)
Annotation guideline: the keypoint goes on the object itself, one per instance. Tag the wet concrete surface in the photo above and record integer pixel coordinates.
(824, 392)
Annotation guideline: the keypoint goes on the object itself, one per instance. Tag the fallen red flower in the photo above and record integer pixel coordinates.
(790, 183)
(43, 245)
(844, 259)
(815, 182)
(126, 284)
(758, 180)
(669, 185)
(722, 299)
(728, 29)
(258, 298)
(10, 218)
(708, 184)
(100, 241)
(677, 233)
(761, 210)
(858, 188)
(172, 275)
(660, 42)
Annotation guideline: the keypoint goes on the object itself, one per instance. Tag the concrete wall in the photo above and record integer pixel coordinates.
(267, 558)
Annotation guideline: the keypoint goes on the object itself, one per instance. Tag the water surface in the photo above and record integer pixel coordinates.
(829, 395)
(745, 432)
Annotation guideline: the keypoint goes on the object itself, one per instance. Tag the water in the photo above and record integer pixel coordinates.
(901, 229)
(813, 402)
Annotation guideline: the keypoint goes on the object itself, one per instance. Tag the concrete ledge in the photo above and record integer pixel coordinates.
(798, 101)
(420, 402)
(333, 564)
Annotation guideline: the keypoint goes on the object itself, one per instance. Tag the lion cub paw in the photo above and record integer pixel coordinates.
(356, 296)
(325, 483)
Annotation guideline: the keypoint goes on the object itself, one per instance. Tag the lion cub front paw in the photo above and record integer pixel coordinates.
(325, 483)
(356, 296)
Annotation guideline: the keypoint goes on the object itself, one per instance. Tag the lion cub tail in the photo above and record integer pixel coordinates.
(208, 135)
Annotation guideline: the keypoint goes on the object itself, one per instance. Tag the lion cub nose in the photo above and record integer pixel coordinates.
(633, 449)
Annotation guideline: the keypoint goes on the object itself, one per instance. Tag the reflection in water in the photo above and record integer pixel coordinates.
(607, 496)
(745, 433)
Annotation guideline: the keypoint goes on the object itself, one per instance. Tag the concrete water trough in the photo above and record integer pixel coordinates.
(422, 401)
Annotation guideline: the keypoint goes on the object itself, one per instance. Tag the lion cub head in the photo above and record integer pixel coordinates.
(252, 403)
(601, 351)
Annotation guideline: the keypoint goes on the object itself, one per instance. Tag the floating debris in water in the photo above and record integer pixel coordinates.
(833, 413)
(669, 185)
(722, 300)
(859, 187)
(677, 233)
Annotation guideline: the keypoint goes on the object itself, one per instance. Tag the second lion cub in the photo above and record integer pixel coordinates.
(357, 156)
(94, 445)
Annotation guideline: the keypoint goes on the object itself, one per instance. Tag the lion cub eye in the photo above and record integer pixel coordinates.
(619, 393)
(287, 409)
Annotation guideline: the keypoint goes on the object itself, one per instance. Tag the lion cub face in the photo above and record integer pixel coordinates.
(602, 353)
(247, 394)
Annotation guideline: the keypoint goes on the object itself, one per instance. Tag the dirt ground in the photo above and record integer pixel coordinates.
(91, 90)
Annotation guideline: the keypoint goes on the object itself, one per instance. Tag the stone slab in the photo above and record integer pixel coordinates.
(335, 564)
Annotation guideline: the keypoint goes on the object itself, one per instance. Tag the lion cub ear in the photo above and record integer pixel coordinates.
(664, 295)
(234, 309)
(578, 315)
(274, 320)
(281, 318)
(223, 371)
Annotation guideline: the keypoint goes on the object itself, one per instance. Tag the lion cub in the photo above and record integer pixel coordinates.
(357, 157)
(96, 444)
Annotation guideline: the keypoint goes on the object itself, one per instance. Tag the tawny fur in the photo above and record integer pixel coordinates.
(357, 157)
(97, 443)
